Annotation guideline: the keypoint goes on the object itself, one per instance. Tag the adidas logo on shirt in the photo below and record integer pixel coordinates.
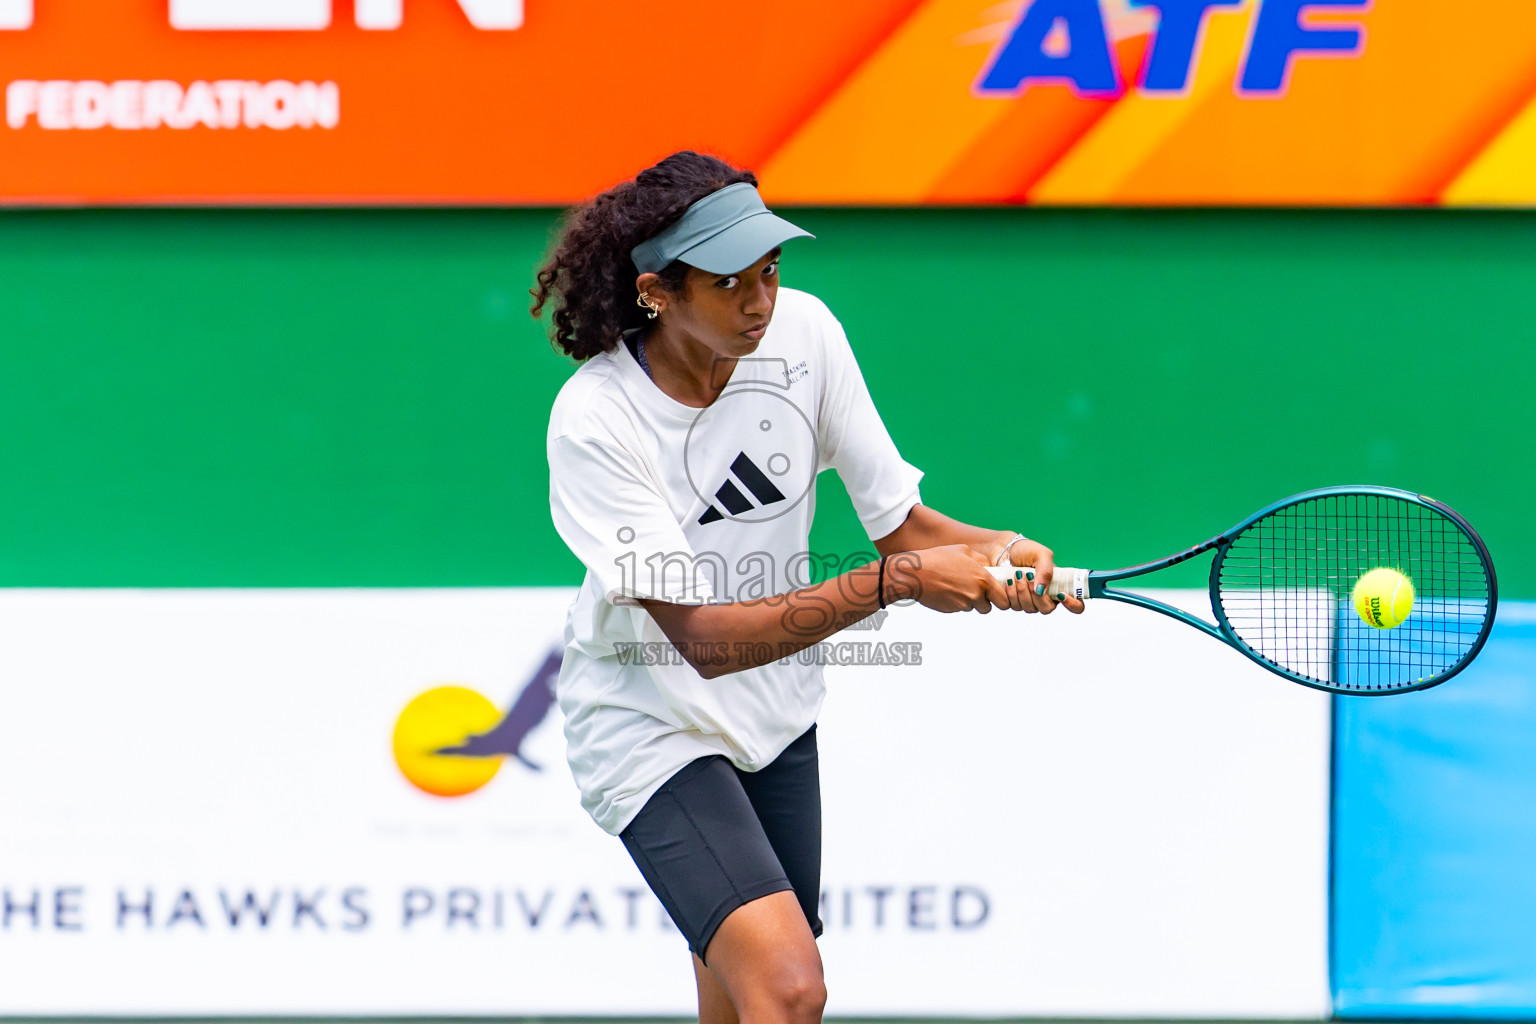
(754, 480)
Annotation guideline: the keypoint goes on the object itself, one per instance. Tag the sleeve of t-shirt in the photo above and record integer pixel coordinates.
(882, 485)
(614, 518)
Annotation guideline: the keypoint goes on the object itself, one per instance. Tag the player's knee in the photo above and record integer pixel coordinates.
(790, 995)
(801, 995)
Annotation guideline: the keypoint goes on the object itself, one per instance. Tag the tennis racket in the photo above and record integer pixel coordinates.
(1282, 581)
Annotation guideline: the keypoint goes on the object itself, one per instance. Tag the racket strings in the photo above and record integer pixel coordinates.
(1285, 586)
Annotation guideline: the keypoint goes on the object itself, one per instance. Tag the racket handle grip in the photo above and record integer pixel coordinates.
(1065, 580)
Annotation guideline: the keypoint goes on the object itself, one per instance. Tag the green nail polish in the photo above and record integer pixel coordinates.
(1020, 575)
(1008, 582)
(1061, 597)
(1040, 588)
(1031, 575)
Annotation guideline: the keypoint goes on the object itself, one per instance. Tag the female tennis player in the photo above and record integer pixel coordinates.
(682, 457)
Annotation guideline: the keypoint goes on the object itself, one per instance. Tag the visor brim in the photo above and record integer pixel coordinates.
(742, 244)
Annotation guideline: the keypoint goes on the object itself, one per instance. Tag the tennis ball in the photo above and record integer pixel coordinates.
(1383, 598)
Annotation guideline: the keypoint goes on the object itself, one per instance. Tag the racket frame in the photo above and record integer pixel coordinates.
(1221, 629)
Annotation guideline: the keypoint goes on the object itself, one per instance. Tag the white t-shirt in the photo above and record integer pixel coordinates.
(667, 502)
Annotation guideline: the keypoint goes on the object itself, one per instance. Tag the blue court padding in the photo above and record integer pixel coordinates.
(1434, 841)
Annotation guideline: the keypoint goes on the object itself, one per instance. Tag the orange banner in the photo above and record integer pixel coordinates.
(854, 102)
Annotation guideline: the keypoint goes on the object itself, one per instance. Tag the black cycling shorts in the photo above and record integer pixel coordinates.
(714, 837)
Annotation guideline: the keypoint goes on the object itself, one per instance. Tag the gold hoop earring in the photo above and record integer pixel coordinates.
(646, 302)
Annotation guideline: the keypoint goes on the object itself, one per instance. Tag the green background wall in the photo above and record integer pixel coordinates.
(358, 398)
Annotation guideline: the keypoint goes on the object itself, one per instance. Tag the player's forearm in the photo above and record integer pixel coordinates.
(928, 528)
(720, 639)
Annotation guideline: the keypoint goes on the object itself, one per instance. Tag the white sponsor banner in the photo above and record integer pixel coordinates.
(203, 813)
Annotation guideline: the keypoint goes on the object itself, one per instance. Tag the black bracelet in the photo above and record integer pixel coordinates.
(880, 590)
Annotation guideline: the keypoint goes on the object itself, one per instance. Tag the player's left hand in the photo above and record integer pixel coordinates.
(1032, 591)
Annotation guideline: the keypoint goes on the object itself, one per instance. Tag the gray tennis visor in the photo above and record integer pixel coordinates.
(722, 233)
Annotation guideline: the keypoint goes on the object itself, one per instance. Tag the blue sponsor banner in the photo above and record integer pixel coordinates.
(1434, 842)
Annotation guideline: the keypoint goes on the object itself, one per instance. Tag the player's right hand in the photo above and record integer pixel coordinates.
(952, 578)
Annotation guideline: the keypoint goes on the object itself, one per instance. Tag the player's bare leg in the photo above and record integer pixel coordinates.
(715, 1006)
(765, 957)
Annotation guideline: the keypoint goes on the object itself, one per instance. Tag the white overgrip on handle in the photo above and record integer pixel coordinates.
(1064, 580)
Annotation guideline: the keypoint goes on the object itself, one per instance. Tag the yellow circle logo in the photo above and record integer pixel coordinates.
(435, 721)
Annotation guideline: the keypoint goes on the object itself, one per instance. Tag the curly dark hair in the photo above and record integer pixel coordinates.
(589, 273)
